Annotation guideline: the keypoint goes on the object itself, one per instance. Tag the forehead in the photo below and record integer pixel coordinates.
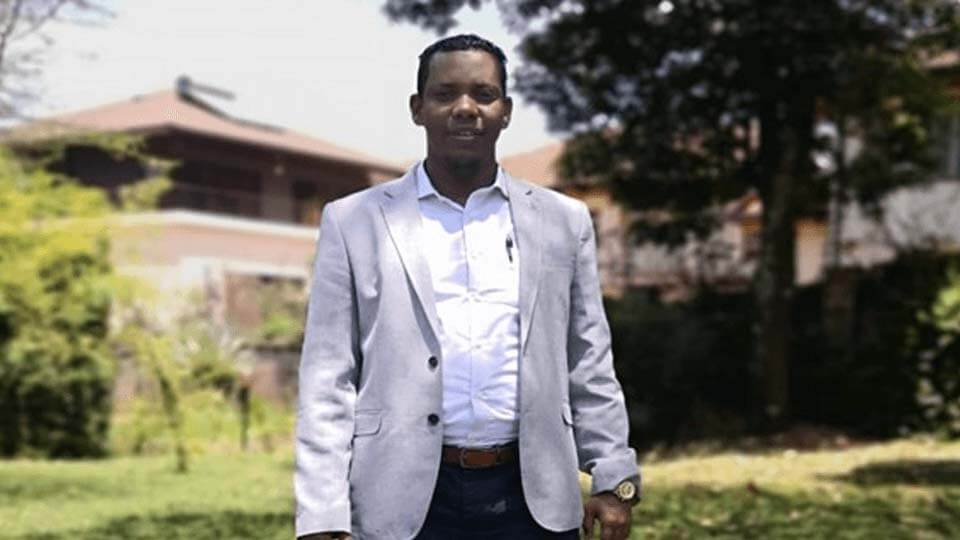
(464, 67)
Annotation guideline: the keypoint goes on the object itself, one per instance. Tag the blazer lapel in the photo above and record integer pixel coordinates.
(525, 210)
(401, 211)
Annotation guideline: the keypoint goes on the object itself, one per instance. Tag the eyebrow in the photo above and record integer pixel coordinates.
(483, 85)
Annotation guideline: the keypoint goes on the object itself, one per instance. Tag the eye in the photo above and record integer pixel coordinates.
(486, 95)
(442, 94)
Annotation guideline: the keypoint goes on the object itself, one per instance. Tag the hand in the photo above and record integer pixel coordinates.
(614, 516)
(335, 535)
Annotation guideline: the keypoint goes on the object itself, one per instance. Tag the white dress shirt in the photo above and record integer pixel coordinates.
(474, 265)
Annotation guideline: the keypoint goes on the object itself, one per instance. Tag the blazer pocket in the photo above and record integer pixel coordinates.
(366, 423)
(567, 414)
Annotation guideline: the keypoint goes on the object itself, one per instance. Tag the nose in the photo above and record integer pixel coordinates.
(465, 107)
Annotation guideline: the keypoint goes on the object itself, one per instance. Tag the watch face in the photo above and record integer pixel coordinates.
(626, 491)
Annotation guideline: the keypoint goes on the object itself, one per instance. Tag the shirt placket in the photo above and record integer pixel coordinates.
(472, 246)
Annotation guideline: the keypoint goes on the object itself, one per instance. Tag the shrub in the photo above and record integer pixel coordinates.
(688, 369)
(867, 382)
(56, 374)
(936, 341)
(685, 368)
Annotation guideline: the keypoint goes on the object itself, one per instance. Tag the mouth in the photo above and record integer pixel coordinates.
(465, 134)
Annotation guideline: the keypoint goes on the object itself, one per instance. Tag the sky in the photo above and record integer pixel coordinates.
(334, 69)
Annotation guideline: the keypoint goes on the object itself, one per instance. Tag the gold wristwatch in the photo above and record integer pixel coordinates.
(626, 491)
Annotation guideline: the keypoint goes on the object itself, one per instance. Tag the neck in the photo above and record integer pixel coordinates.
(456, 180)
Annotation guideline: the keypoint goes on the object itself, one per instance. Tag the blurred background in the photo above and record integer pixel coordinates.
(775, 188)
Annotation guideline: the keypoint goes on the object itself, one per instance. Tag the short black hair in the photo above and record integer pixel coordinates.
(461, 42)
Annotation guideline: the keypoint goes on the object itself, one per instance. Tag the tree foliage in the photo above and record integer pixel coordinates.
(58, 298)
(684, 105)
(56, 372)
(283, 305)
(936, 340)
(180, 359)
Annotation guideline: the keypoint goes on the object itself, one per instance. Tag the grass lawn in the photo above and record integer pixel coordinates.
(903, 489)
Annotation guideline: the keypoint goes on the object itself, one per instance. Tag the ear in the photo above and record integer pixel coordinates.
(416, 103)
(508, 106)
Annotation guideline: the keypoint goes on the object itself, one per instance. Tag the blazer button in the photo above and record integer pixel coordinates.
(433, 419)
(433, 362)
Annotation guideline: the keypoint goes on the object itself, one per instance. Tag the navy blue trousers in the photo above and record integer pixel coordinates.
(482, 504)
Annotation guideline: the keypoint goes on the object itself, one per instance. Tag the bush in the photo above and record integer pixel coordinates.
(936, 341)
(211, 423)
(688, 369)
(868, 382)
(685, 368)
(56, 375)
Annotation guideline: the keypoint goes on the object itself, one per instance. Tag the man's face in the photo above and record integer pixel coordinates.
(462, 107)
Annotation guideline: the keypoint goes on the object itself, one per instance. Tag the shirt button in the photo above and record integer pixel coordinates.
(433, 362)
(433, 419)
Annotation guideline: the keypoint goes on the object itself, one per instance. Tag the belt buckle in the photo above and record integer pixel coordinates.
(465, 465)
(463, 462)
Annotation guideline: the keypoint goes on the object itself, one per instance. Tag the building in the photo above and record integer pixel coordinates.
(722, 260)
(919, 217)
(245, 199)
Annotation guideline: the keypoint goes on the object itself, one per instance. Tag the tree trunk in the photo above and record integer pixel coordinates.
(170, 398)
(786, 145)
(773, 292)
(243, 402)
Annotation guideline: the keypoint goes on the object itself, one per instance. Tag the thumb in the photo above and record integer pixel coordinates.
(589, 515)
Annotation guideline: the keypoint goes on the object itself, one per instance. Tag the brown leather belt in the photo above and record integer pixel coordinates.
(480, 458)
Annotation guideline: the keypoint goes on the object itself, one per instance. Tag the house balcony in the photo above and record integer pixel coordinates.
(303, 209)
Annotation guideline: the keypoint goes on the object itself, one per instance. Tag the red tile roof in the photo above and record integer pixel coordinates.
(170, 109)
(537, 166)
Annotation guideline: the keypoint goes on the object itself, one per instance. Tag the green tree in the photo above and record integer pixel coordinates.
(684, 105)
(58, 298)
(56, 372)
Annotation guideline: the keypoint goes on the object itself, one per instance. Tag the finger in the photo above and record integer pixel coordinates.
(606, 531)
(622, 531)
(588, 517)
(612, 530)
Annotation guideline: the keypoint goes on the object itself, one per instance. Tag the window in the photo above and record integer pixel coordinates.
(307, 201)
(947, 140)
(212, 187)
(752, 239)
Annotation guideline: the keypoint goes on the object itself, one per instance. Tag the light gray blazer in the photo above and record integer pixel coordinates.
(366, 454)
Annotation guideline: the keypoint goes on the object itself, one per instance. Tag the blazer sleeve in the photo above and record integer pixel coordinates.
(329, 368)
(596, 399)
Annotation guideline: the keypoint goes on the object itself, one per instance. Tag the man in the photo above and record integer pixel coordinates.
(456, 365)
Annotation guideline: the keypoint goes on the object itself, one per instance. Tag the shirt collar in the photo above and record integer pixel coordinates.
(425, 185)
